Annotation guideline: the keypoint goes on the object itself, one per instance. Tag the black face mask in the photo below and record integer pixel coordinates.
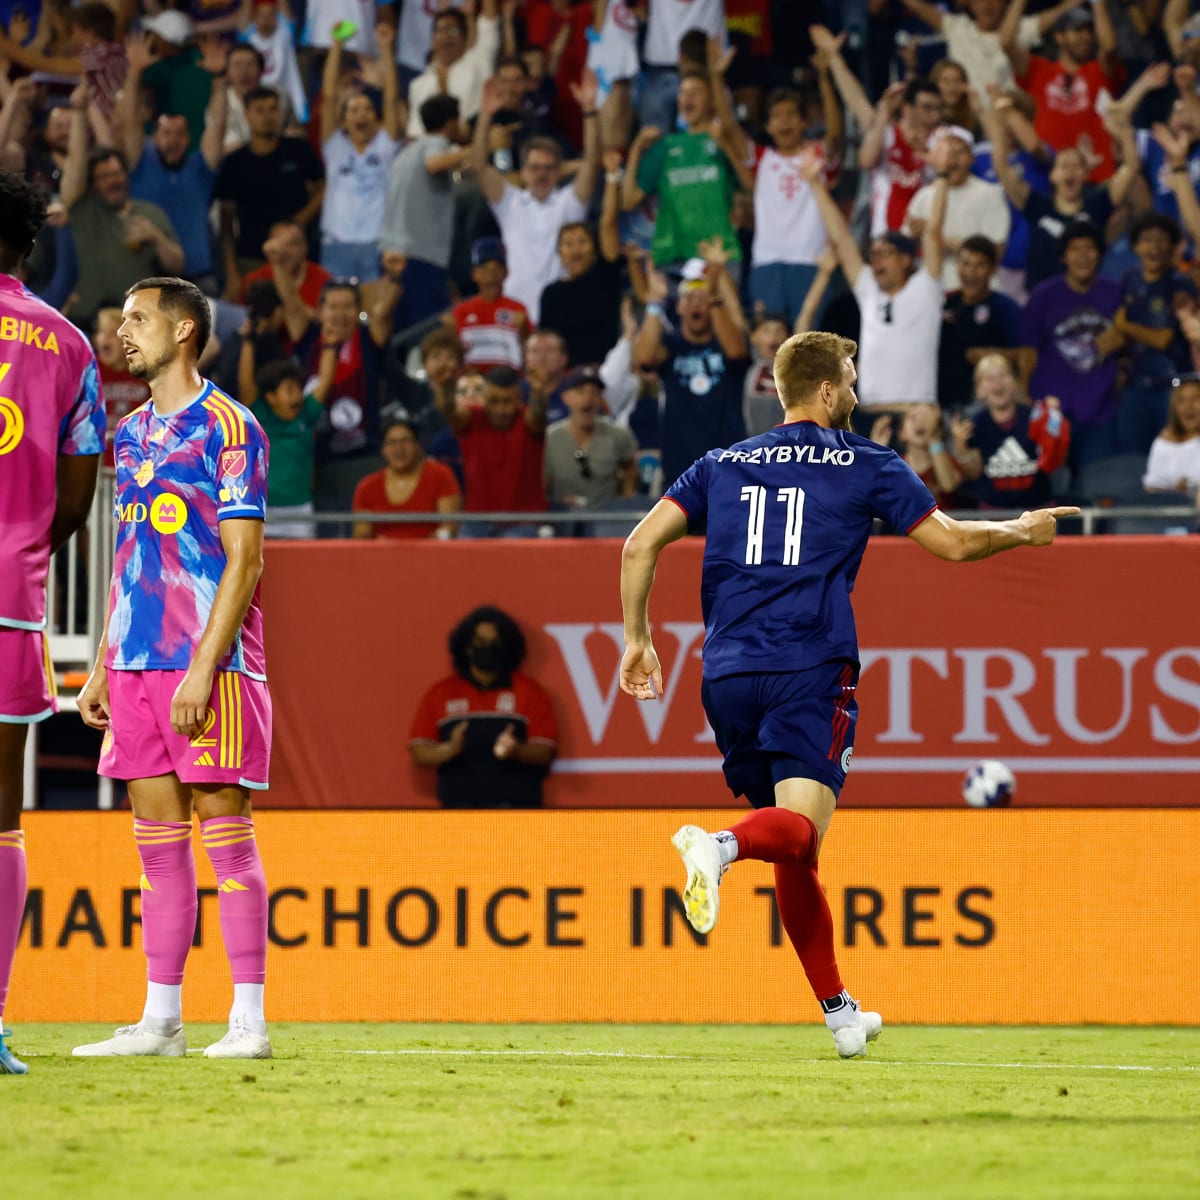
(487, 657)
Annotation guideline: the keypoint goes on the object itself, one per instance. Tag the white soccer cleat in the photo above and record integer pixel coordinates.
(702, 859)
(146, 1039)
(851, 1040)
(242, 1041)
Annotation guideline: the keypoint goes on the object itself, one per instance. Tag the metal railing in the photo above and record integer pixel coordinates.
(77, 586)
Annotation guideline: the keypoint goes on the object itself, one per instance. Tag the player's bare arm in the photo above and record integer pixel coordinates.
(76, 486)
(970, 541)
(93, 699)
(641, 674)
(242, 541)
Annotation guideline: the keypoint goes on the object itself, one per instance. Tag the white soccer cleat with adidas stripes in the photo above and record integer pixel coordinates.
(701, 899)
(851, 1040)
(146, 1039)
(242, 1041)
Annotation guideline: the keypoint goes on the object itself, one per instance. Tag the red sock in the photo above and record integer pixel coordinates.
(809, 924)
(776, 835)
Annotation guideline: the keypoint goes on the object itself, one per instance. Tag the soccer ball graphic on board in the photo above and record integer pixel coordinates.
(989, 784)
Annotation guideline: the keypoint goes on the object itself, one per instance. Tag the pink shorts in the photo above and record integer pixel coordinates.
(234, 747)
(27, 688)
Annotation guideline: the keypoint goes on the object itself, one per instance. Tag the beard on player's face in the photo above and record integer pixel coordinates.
(148, 365)
(847, 402)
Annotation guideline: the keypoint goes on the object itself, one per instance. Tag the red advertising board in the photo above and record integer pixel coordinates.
(1079, 666)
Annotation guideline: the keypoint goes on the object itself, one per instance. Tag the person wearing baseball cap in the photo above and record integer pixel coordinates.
(590, 460)
(974, 207)
(173, 69)
(1072, 89)
(492, 325)
(900, 303)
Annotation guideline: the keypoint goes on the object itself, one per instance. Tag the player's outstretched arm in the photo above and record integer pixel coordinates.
(969, 541)
(641, 675)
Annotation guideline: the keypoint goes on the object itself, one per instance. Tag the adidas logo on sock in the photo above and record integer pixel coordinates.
(232, 885)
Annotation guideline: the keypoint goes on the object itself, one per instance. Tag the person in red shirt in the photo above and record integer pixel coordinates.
(286, 252)
(1071, 90)
(409, 483)
(502, 448)
(491, 325)
(560, 27)
(488, 729)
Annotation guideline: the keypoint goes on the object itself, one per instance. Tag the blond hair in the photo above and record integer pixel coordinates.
(992, 362)
(807, 360)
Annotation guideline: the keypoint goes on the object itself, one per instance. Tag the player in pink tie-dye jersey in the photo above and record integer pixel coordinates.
(51, 437)
(180, 685)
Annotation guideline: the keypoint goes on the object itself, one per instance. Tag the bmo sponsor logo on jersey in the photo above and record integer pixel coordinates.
(166, 513)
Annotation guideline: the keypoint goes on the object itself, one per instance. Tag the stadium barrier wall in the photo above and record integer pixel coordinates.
(1079, 666)
(976, 917)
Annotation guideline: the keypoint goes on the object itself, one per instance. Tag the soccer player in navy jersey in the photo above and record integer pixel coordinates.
(180, 686)
(788, 515)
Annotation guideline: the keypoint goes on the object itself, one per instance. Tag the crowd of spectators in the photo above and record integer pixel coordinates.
(514, 256)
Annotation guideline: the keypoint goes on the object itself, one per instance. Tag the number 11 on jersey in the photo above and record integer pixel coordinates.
(756, 521)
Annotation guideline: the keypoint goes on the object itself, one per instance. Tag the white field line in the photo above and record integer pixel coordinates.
(429, 1052)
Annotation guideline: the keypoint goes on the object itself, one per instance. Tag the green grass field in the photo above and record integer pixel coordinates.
(581, 1112)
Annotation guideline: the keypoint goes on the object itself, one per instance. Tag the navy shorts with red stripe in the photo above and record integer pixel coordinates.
(795, 725)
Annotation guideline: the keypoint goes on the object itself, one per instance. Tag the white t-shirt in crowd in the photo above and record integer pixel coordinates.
(530, 228)
(1173, 463)
(787, 224)
(978, 207)
(281, 71)
(464, 80)
(414, 38)
(980, 54)
(612, 54)
(898, 340)
(323, 15)
(355, 187)
(669, 20)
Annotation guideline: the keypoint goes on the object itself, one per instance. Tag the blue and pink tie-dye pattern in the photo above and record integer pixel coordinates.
(178, 477)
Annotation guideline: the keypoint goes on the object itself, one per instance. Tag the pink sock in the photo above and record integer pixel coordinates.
(776, 835)
(168, 896)
(241, 894)
(12, 903)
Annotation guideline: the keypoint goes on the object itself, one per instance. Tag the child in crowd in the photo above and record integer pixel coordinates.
(923, 446)
(1008, 449)
(761, 408)
(492, 326)
(289, 417)
(1158, 350)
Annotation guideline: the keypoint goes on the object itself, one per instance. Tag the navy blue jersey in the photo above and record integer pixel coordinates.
(789, 513)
